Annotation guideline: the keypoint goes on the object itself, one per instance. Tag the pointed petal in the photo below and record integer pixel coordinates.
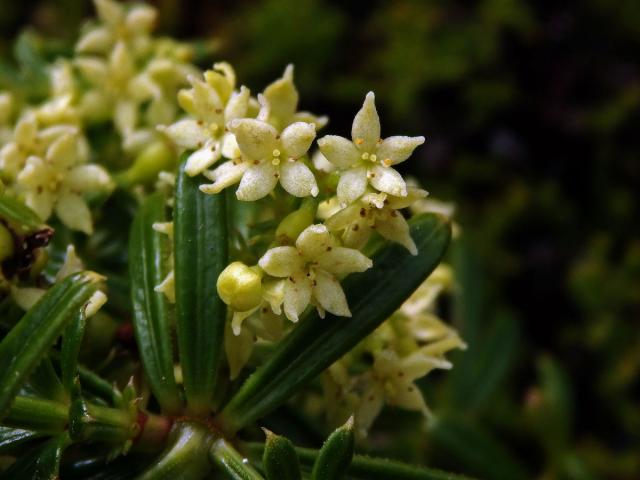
(257, 182)
(387, 180)
(329, 294)
(282, 97)
(314, 241)
(409, 398)
(397, 149)
(365, 131)
(343, 218)
(417, 365)
(62, 153)
(395, 228)
(229, 146)
(281, 261)
(186, 134)
(297, 179)
(141, 18)
(296, 139)
(413, 195)
(341, 260)
(352, 185)
(297, 295)
(224, 176)
(41, 203)
(370, 407)
(87, 178)
(339, 151)
(256, 139)
(97, 40)
(202, 159)
(73, 211)
(237, 105)
(109, 11)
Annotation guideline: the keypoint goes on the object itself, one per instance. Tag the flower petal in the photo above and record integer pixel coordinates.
(370, 407)
(62, 153)
(395, 228)
(202, 159)
(73, 211)
(87, 178)
(365, 130)
(329, 294)
(297, 295)
(281, 261)
(409, 398)
(341, 260)
(41, 203)
(257, 182)
(314, 241)
(413, 195)
(339, 151)
(223, 176)
(256, 139)
(352, 185)
(387, 180)
(237, 105)
(296, 139)
(397, 149)
(297, 179)
(282, 96)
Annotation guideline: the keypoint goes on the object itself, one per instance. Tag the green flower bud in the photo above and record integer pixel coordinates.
(155, 158)
(7, 246)
(294, 223)
(240, 286)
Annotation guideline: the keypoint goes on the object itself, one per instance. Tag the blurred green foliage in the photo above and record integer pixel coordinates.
(531, 112)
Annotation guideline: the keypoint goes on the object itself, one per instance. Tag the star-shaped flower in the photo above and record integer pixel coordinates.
(311, 267)
(268, 157)
(366, 159)
(376, 212)
(212, 104)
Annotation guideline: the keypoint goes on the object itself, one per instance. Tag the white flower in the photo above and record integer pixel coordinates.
(366, 159)
(268, 157)
(311, 267)
(212, 103)
(376, 212)
(282, 98)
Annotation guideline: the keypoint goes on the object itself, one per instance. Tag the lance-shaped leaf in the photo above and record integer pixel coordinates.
(147, 269)
(48, 463)
(19, 215)
(12, 438)
(280, 460)
(45, 382)
(71, 343)
(363, 467)
(336, 454)
(201, 253)
(316, 343)
(28, 342)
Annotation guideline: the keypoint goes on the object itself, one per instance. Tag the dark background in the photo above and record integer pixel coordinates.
(531, 111)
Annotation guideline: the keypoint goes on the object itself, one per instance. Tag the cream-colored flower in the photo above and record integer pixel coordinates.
(59, 178)
(366, 159)
(376, 212)
(282, 97)
(118, 23)
(268, 157)
(310, 269)
(391, 381)
(212, 104)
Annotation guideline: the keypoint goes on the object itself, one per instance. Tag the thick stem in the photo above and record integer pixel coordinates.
(230, 461)
(38, 415)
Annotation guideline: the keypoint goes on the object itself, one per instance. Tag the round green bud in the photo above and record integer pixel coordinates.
(240, 286)
(7, 246)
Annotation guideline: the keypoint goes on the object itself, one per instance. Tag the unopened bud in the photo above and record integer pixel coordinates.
(240, 286)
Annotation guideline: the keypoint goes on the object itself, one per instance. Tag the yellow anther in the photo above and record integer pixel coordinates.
(365, 156)
(275, 161)
(373, 157)
(387, 162)
(359, 141)
(276, 153)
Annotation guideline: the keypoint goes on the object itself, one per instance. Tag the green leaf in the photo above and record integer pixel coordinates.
(316, 343)
(231, 462)
(71, 343)
(369, 468)
(19, 215)
(186, 458)
(43, 416)
(45, 382)
(48, 463)
(11, 438)
(28, 342)
(335, 455)
(201, 253)
(280, 460)
(147, 268)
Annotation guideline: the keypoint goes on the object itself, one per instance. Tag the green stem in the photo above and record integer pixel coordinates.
(186, 458)
(231, 462)
(36, 414)
(94, 422)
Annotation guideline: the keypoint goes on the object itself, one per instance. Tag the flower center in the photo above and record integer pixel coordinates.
(369, 156)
